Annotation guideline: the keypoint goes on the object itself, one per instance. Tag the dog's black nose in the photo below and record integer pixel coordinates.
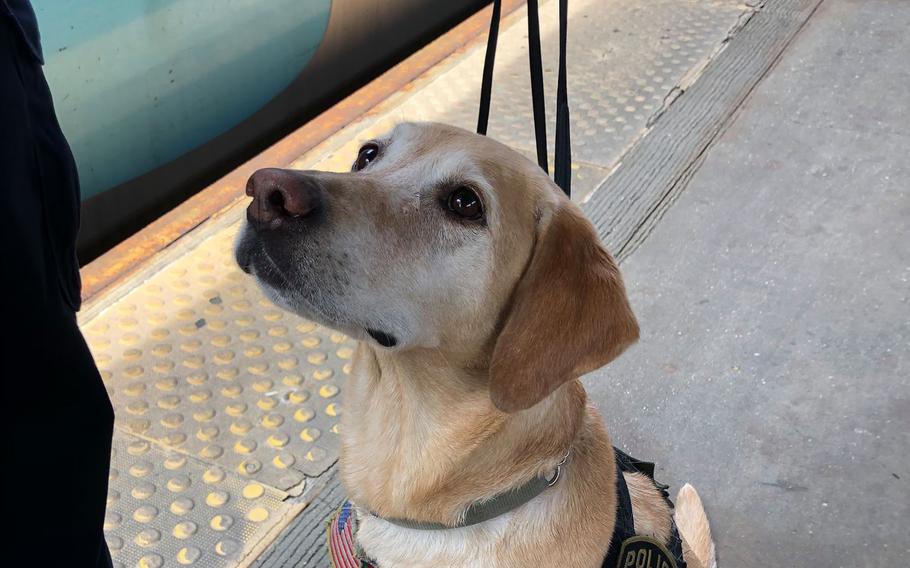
(280, 196)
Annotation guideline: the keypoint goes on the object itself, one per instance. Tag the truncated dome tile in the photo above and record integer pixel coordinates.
(168, 509)
(197, 359)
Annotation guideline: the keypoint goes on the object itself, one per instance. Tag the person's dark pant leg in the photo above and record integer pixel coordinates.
(56, 411)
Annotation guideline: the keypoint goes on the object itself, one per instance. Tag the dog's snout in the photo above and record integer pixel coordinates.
(282, 195)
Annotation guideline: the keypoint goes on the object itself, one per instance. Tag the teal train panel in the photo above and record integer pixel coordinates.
(137, 83)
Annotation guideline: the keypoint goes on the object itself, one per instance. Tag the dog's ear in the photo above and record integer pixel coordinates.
(569, 315)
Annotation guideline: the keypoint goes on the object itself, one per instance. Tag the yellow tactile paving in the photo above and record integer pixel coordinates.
(224, 405)
(165, 508)
(197, 360)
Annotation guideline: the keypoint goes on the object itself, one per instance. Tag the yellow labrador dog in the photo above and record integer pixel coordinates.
(479, 294)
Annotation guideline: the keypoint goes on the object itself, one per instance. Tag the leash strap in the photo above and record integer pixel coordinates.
(563, 153)
(563, 166)
(486, 85)
(537, 92)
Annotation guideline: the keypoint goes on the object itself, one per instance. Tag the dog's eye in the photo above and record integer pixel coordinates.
(368, 152)
(465, 203)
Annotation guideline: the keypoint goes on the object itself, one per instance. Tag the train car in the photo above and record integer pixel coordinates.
(159, 98)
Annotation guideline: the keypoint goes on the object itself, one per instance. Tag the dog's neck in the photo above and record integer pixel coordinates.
(421, 439)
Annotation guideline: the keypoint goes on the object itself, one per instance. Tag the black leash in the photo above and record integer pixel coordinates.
(537, 98)
(563, 156)
(563, 166)
(486, 85)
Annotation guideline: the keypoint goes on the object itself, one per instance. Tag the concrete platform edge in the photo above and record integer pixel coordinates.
(652, 174)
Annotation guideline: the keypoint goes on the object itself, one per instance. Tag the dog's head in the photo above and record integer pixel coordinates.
(443, 239)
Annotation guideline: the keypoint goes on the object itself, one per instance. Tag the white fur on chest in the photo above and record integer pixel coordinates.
(392, 546)
(484, 545)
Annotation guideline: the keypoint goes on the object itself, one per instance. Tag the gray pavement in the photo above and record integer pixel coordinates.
(772, 372)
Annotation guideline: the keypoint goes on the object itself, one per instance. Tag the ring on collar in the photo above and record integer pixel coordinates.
(559, 465)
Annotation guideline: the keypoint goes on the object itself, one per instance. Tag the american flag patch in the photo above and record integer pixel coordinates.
(340, 530)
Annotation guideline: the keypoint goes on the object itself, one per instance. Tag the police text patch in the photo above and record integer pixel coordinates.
(644, 552)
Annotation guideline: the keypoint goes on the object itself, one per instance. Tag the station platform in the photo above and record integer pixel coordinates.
(227, 408)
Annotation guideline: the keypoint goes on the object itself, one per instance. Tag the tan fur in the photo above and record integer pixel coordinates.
(651, 512)
(571, 284)
(496, 323)
(692, 523)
